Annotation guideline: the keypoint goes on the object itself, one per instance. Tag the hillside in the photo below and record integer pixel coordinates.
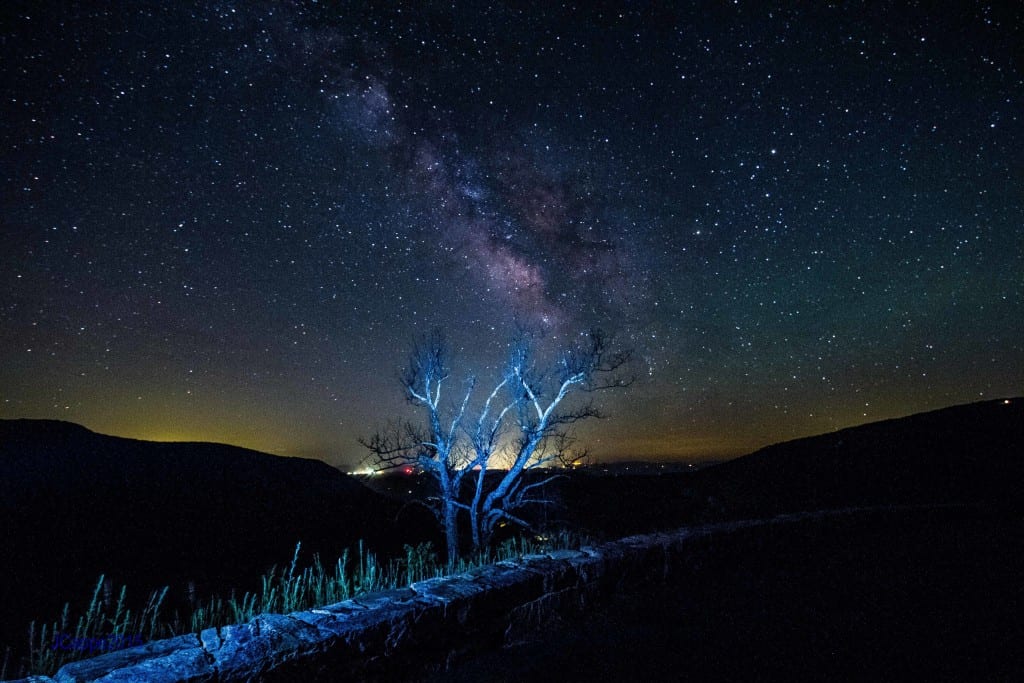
(77, 504)
(968, 453)
(964, 454)
(889, 593)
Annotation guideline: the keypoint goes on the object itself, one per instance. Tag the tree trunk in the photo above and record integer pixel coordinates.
(474, 509)
(451, 532)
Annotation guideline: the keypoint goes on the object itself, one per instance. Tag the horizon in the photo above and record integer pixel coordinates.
(229, 223)
(698, 461)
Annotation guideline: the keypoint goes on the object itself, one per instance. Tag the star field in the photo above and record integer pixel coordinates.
(227, 221)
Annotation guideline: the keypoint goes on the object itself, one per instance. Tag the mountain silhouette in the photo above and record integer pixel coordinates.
(970, 453)
(964, 454)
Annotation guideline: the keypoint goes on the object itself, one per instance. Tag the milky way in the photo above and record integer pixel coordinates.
(228, 220)
(513, 218)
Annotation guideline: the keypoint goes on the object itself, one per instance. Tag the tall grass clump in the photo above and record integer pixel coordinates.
(284, 590)
(96, 631)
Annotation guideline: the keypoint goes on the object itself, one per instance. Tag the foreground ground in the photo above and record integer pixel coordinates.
(934, 596)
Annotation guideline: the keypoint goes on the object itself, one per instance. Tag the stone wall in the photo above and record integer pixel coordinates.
(423, 627)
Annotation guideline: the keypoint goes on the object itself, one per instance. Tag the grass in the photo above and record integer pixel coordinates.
(284, 590)
(93, 630)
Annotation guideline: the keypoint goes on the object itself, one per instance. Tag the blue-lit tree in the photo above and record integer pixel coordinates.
(523, 424)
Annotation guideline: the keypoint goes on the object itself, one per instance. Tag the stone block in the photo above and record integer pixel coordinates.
(263, 644)
(556, 574)
(181, 658)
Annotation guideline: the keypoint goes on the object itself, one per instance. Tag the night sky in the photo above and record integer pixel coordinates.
(227, 221)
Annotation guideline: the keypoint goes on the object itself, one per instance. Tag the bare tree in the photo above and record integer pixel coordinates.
(523, 424)
(436, 448)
